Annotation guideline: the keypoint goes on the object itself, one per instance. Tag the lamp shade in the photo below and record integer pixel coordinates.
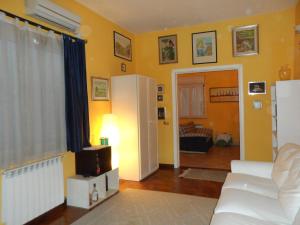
(110, 129)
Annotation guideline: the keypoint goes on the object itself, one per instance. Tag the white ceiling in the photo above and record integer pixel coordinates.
(140, 16)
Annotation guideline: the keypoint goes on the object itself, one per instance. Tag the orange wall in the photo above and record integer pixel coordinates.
(220, 117)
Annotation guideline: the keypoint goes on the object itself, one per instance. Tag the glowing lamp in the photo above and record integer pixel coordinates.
(110, 130)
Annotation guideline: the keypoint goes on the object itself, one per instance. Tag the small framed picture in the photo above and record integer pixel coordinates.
(123, 67)
(167, 46)
(160, 98)
(100, 89)
(255, 88)
(204, 47)
(245, 40)
(122, 46)
(161, 113)
(160, 89)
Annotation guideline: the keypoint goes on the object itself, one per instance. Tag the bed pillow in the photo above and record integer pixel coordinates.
(186, 128)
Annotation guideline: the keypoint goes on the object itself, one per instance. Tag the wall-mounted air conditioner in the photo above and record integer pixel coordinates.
(52, 13)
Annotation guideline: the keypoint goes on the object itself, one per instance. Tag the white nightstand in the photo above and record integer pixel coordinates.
(79, 188)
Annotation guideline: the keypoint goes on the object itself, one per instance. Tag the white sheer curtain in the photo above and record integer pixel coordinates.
(197, 100)
(191, 100)
(183, 105)
(32, 98)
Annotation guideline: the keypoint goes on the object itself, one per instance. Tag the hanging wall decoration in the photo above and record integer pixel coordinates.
(122, 46)
(224, 94)
(100, 89)
(204, 47)
(256, 88)
(245, 40)
(167, 46)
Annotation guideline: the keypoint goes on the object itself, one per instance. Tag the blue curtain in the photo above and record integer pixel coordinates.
(77, 112)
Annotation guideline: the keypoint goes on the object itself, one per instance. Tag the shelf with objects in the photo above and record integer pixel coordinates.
(95, 183)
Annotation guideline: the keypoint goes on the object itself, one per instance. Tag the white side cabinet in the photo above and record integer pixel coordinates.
(80, 188)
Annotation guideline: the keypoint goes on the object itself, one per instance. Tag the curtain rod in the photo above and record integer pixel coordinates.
(39, 25)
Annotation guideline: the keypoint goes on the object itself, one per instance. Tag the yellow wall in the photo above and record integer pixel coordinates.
(276, 48)
(220, 117)
(297, 44)
(276, 36)
(100, 61)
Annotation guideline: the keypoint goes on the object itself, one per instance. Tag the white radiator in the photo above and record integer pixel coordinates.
(30, 191)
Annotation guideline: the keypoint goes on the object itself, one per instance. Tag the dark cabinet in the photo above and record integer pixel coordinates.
(93, 161)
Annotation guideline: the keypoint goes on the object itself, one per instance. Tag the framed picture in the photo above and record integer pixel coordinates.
(204, 47)
(161, 113)
(122, 46)
(224, 94)
(245, 40)
(123, 67)
(100, 89)
(256, 88)
(160, 89)
(160, 98)
(167, 46)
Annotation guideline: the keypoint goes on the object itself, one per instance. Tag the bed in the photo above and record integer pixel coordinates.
(194, 139)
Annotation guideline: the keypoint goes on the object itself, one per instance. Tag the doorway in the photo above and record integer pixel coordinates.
(208, 116)
(176, 74)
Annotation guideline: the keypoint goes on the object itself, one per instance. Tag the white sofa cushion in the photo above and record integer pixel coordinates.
(258, 185)
(237, 219)
(254, 168)
(297, 218)
(286, 155)
(289, 193)
(251, 204)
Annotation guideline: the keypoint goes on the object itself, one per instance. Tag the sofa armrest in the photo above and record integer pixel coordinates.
(254, 168)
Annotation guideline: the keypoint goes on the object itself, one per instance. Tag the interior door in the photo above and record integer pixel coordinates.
(152, 125)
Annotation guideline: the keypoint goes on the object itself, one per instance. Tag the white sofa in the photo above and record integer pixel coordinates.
(261, 193)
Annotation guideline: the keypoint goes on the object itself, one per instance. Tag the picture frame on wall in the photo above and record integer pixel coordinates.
(161, 113)
(160, 98)
(256, 88)
(123, 67)
(245, 40)
(204, 47)
(167, 47)
(160, 89)
(122, 46)
(100, 89)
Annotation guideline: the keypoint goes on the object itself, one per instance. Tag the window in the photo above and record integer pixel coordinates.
(191, 97)
(32, 99)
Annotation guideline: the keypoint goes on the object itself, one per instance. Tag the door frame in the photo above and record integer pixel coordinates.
(174, 75)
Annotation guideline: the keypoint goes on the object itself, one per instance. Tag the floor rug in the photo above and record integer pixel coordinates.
(203, 174)
(141, 207)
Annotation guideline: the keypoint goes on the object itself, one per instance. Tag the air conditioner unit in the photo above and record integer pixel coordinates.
(52, 13)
